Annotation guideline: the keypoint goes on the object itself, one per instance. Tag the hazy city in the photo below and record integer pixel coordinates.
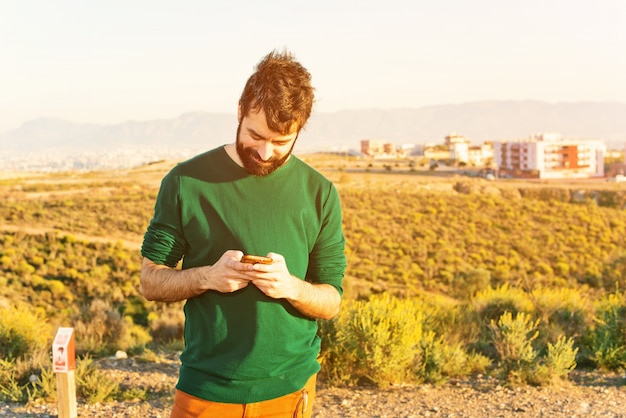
(450, 244)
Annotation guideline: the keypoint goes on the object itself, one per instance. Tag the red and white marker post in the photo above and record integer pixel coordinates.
(64, 364)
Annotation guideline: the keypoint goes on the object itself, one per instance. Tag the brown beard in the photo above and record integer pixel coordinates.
(253, 163)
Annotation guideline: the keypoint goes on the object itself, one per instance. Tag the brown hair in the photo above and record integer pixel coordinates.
(281, 87)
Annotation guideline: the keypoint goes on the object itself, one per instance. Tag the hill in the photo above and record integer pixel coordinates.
(479, 121)
(69, 250)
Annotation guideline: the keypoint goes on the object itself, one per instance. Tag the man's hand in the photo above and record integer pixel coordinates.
(313, 300)
(225, 276)
(274, 279)
(229, 274)
(167, 284)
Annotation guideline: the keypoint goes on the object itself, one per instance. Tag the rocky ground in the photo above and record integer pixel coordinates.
(587, 394)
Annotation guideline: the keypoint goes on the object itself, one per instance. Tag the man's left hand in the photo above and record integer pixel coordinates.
(274, 279)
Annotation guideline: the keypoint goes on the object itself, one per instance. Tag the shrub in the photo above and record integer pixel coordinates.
(99, 328)
(512, 340)
(561, 312)
(488, 306)
(386, 340)
(27, 379)
(375, 340)
(492, 303)
(448, 331)
(560, 359)
(11, 389)
(437, 359)
(520, 362)
(168, 327)
(135, 337)
(93, 385)
(22, 332)
(470, 282)
(45, 384)
(608, 338)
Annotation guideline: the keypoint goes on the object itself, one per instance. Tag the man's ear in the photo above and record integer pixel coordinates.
(239, 114)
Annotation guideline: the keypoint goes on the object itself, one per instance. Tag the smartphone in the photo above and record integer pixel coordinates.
(254, 259)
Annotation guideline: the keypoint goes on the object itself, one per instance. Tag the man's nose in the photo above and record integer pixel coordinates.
(265, 150)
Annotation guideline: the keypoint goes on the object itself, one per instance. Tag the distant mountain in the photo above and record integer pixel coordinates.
(189, 131)
(478, 121)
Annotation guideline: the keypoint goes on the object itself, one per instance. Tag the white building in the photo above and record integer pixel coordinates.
(549, 156)
(459, 147)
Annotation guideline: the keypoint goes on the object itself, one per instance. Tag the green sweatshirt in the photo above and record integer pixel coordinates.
(245, 347)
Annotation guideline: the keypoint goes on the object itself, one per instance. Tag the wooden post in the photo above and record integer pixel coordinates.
(64, 360)
(66, 394)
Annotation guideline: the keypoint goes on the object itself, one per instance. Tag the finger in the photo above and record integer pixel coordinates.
(263, 268)
(233, 254)
(276, 257)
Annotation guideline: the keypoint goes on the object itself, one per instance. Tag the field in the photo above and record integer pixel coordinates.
(459, 251)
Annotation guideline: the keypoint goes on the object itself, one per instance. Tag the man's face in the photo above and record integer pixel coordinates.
(261, 150)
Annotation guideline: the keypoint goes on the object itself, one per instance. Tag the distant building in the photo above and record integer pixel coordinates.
(480, 155)
(377, 148)
(459, 148)
(437, 154)
(407, 149)
(372, 147)
(549, 156)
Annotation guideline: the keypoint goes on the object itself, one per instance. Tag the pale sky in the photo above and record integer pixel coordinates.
(110, 61)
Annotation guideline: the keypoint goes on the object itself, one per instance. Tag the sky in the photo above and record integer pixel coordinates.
(112, 61)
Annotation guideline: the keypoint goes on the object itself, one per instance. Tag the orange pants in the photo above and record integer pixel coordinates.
(298, 404)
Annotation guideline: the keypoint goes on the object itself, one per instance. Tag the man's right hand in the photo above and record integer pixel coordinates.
(225, 276)
(168, 284)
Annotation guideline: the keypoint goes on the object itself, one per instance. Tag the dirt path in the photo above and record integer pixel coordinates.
(128, 244)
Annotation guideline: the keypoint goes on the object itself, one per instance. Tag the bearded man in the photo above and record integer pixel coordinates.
(251, 342)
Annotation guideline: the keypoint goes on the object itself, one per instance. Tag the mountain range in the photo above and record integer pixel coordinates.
(337, 131)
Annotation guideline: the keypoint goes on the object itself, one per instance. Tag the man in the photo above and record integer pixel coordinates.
(251, 341)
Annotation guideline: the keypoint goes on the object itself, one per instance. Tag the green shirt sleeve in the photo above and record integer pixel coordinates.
(163, 243)
(327, 262)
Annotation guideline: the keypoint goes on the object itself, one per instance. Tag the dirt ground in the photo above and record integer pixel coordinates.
(586, 394)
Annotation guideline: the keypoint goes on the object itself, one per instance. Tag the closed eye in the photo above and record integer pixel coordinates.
(256, 136)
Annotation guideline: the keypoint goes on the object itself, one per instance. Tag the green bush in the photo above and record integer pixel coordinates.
(11, 389)
(101, 329)
(167, 327)
(92, 384)
(519, 361)
(608, 338)
(512, 340)
(492, 303)
(375, 340)
(488, 306)
(438, 359)
(27, 379)
(387, 340)
(467, 283)
(560, 359)
(22, 332)
(561, 311)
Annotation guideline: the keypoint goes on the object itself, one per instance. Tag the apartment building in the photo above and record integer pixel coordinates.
(376, 148)
(459, 147)
(550, 156)
(480, 155)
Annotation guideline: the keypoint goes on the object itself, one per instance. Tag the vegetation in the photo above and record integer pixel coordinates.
(446, 278)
